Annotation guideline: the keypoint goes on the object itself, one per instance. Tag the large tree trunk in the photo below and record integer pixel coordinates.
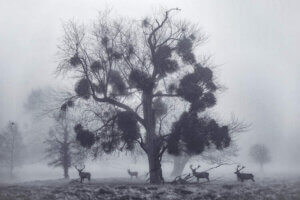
(155, 170)
(66, 172)
(153, 142)
(153, 146)
(179, 165)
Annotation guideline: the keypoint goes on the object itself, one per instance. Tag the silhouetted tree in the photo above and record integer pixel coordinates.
(62, 149)
(260, 154)
(12, 147)
(133, 69)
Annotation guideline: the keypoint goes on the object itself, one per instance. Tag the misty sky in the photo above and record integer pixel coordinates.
(256, 44)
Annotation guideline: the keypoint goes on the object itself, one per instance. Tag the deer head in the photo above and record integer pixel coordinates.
(238, 169)
(194, 169)
(79, 170)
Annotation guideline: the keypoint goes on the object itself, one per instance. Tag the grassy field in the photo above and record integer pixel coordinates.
(125, 189)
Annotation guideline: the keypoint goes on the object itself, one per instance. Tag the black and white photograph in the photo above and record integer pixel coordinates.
(149, 100)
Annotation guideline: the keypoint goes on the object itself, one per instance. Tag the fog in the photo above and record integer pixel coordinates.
(255, 45)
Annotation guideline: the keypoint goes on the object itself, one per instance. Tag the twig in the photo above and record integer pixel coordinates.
(219, 165)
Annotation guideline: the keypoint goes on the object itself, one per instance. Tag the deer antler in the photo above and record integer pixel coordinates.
(239, 168)
(79, 169)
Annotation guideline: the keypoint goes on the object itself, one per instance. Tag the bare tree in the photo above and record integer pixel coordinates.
(12, 147)
(62, 149)
(260, 154)
(128, 68)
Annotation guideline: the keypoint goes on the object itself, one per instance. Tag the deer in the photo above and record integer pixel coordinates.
(83, 175)
(132, 174)
(199, 175)
(243, 176)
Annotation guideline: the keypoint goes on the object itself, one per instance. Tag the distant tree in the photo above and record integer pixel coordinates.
(2, 145)
(260, 154)
(12, 147)
(134, 70)
(35, 100)
(38, 124)
(62, 149)
(3, 154)
(44, 101)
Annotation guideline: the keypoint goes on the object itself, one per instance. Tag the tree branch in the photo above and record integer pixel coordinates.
(166, 95)
(120, 105)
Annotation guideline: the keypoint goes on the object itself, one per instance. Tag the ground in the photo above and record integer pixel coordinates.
(125, 189)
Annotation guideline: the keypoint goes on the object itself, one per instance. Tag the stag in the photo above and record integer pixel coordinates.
(132, 174)
(243, 176)
(199, 175)
(83, 175)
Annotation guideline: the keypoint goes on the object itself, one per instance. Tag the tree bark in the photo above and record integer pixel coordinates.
(66, 172)
(153, 142)
(155, 170)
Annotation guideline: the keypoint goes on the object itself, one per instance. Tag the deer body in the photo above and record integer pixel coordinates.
(83, 175)
(132, 174)
(243, 176)
(199, 175)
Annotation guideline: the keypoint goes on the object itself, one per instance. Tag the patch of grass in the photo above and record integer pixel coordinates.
(23, 197)
(6, 197)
